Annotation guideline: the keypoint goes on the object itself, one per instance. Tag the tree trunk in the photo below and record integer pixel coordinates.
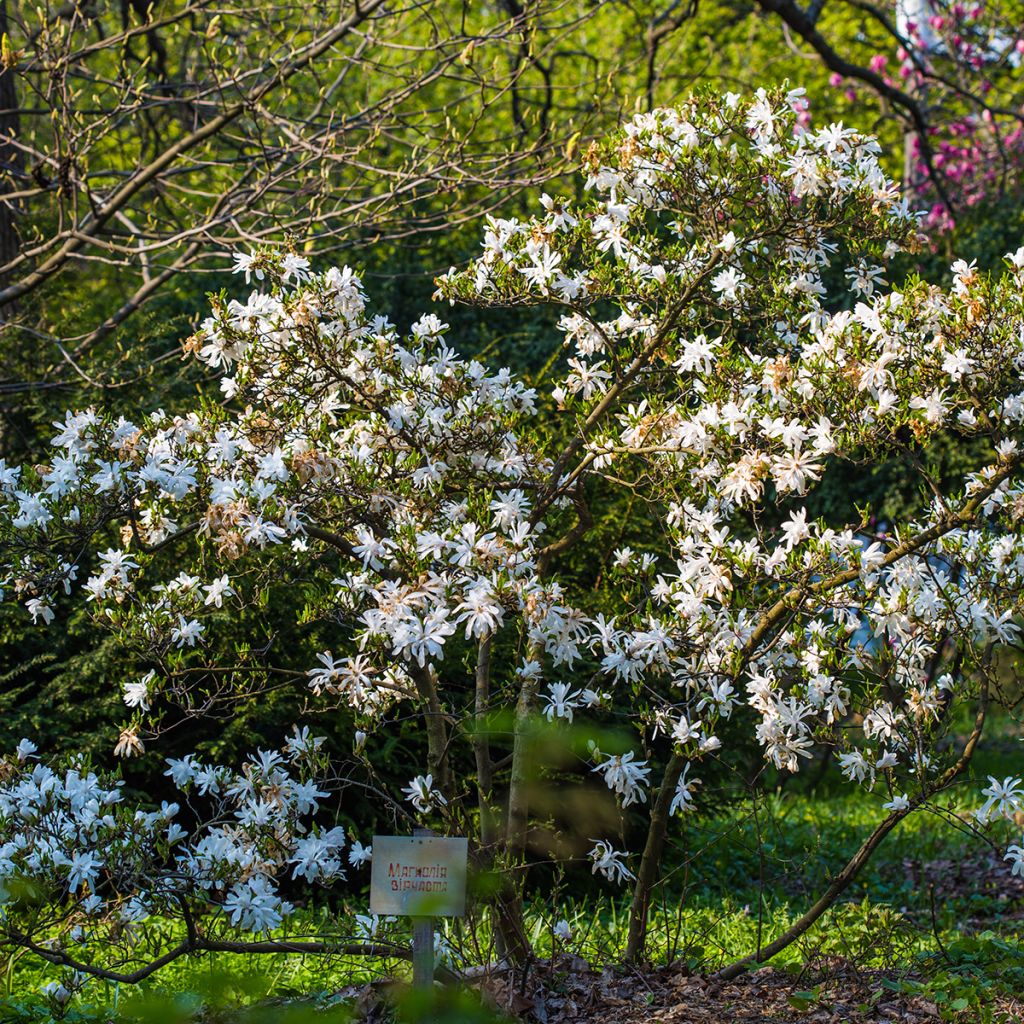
(518, 796)
(510, 920)
(509, 928)
(650, 862)
(437, 733)
(482, 747)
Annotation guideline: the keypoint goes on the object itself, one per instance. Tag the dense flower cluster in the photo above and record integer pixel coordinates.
(800, 623)
(729, 338)
(66, 833)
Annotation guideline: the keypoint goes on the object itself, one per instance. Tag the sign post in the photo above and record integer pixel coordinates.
(422, 952)
(422, 876)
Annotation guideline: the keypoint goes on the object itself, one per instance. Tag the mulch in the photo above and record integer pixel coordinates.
(569, 991)
(979, 873)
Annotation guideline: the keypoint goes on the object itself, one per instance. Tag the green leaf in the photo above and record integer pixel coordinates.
(803, 1001)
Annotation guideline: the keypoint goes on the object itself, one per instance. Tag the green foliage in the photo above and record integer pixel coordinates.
(716, 906)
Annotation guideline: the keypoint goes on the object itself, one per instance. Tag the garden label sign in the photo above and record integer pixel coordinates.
(422, 876)
(418, 876)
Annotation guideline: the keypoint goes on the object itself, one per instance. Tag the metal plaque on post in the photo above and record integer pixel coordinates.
(418, 876)
(422, 876)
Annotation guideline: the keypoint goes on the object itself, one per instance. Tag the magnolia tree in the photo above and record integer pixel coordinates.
(729, 337)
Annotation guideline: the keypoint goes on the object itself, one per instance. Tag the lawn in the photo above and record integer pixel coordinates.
(936, 916)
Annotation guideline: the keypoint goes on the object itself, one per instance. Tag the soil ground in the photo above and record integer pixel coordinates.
(568, 991)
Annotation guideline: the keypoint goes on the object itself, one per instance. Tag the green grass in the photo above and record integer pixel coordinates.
(919, 911)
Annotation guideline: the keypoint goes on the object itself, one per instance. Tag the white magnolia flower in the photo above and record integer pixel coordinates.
(245, 264)
(39, 609)
(561, 702)
(359, 855)
(1015, 854)
(729, 283)
(421, 793)
(256, 906)
(683, 799)
(136, 694)
(187, 632)
(217, 591)
(609, 862)
(684, 730)
(57, 991)
(625, 776)
(1004, 799)
(25, 750)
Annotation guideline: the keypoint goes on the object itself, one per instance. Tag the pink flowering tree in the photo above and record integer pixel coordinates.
(431, 505)
(948, 72)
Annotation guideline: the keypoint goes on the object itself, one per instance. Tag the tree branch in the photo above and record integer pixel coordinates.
(854, 865)
(103, 213)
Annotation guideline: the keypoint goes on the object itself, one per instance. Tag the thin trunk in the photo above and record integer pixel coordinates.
(518, 795)
(437, 733)
(482, 747)
(509, 903)
(650, 862)
(511, 940)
